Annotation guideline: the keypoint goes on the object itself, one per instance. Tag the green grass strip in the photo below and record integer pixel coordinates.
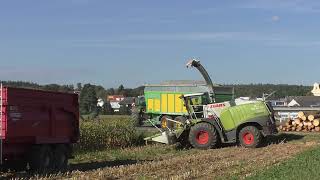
(305, 166)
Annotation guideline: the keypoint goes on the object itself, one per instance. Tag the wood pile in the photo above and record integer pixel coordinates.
(304, 123)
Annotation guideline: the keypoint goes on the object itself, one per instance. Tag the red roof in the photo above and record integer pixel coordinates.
(115, 98)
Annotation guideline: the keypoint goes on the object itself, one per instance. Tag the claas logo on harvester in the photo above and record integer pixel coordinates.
(219, 105)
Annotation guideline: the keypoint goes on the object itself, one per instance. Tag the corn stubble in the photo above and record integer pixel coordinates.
(226, 162)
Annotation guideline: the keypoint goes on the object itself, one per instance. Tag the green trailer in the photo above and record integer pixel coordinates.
(164, 101)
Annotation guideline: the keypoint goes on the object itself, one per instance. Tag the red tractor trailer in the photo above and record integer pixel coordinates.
(37, 128)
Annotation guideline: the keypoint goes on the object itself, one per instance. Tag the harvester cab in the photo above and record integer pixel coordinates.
(194, 104)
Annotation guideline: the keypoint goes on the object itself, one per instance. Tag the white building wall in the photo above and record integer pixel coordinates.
(316, 89)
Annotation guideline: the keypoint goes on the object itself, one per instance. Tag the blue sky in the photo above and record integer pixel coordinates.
(137, 42)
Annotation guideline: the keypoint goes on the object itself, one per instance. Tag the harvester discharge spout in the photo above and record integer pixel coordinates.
(196, 63)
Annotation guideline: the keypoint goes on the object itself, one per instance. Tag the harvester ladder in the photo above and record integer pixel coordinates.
(1, 122)
(195, 114)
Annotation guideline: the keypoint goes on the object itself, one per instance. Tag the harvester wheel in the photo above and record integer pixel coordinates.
(250, 137)
(203, 136)
(41, 159)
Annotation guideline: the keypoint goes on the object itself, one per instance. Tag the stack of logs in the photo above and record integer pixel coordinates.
(304, 122)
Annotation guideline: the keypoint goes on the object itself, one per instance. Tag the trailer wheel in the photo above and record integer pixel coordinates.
(180, 119)
(41, 159)
(203, 136)
(18, 165)
(60, 157)
(136, 117)
(250, 137)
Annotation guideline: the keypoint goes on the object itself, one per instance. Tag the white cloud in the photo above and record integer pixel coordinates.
(297, 6)
(116, 20)
(140, 40)
(184, 36)
(275, 18)
(292, 6)
(294, 43)
(204, 36)
(143, 40)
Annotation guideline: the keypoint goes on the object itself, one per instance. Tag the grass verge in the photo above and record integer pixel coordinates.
(304, 166)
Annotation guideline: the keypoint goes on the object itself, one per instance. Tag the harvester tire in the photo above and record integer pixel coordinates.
(203, 136)
(250, 137)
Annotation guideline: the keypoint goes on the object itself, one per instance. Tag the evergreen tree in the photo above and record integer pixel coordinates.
(111, 91)
(88, 99)
(101, 92)
(121, 90)
(79, 86)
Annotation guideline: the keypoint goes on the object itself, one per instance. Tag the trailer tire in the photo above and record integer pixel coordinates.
(203, 136)
(250, 137)
(60, 156)
(180, 119)
(164, 123)
(41, 159)
(136, 117)
(18, 165)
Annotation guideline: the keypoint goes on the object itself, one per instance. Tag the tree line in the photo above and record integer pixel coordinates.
(89, 93)
(281, 90)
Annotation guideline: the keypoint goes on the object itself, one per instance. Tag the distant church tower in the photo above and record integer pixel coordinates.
(316, 89)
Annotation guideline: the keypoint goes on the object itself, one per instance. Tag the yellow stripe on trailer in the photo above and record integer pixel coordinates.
(164, 103)
(157, 105)
(171, 103)
(150, 105)
(178, 103)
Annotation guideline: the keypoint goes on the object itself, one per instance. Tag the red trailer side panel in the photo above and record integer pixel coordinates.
(3, 117)
(39, 117)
